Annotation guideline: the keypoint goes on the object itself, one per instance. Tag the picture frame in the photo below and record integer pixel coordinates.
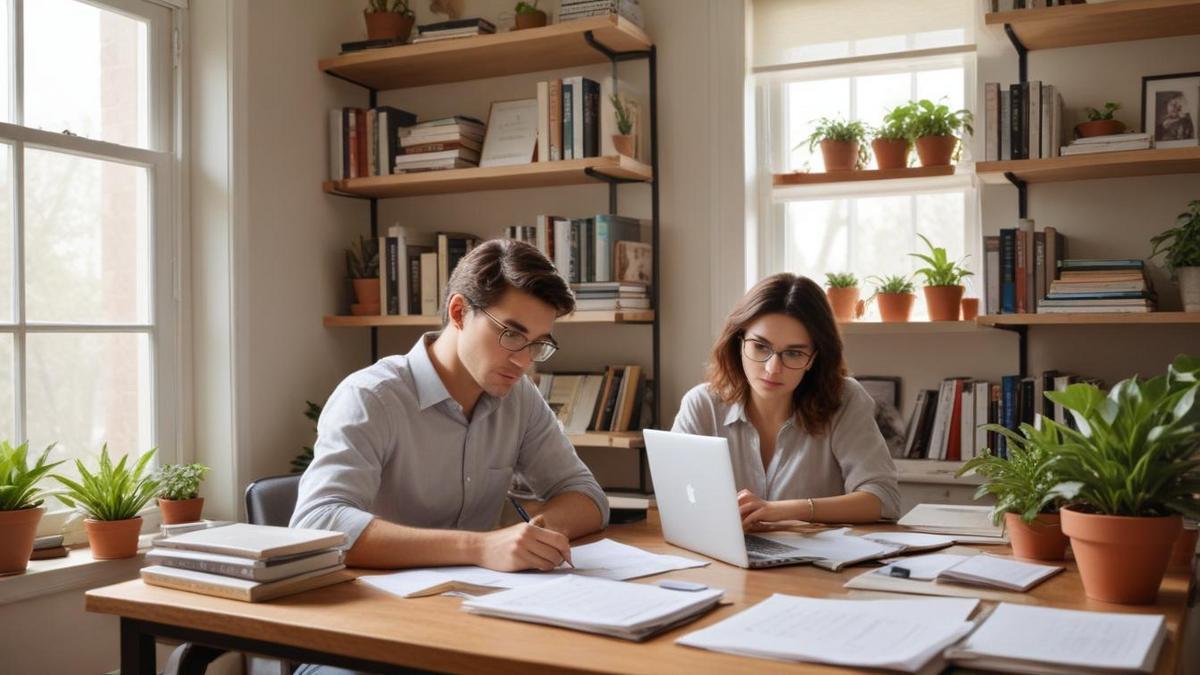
(885, 391)
(511, 136)
(1171, 109)
(634, 262)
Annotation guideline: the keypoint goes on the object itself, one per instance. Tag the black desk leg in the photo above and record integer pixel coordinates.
(137, 649)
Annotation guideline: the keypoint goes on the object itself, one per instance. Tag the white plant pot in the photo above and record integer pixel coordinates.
(1189, 288)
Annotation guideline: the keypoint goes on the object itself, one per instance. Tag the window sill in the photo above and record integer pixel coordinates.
(76, 571)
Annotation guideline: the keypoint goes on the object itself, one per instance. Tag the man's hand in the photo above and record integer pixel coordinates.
(522, 547)
(757, 512)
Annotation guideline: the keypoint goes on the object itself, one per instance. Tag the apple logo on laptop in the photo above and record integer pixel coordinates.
(691, 493)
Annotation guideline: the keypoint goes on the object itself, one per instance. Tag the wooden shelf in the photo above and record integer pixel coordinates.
(1120, 21)
(1162, 162)
(422, 321)
(799, 178)
(608, 439)
(1093, 319)
(910, 327)
(561, 45)
(933, 471)
(537, 174)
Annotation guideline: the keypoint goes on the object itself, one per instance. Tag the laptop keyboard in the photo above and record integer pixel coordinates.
(759, 547)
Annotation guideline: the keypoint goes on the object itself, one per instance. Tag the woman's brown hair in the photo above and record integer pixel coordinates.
(819, 394)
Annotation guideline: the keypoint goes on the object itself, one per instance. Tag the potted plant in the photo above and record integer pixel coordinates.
(528, 16)
(935, 129)
(891, 141)
(1022, 485)
(1181, 245)
(895, 295)
(1127, 475)
(20, 504)
(943, 287)
(843, 294)
(179, 497)
(362, 266)
(389, 20)
(623, 139)
(843, 144)
(110, 501)
(1100, 122)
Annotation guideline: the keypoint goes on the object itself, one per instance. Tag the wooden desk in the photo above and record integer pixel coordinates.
(356, 626)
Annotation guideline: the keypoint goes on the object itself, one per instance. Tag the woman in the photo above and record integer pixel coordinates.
(802, 435)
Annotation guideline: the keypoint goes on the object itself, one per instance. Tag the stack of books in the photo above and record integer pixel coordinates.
(447, 143)
(451, 30)
(1019, 265)
(619, 399)
(245, 562)
(603, 248)
(49, 546)
(1110, 143)
(1099, 286)
(630, 10)
(610, 296)
(1021, 121)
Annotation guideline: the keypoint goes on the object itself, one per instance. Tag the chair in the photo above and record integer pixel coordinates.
(270, 501)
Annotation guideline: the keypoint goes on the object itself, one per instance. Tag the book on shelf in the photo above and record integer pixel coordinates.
(458, 24)
(399, 270)
(1112, 146)
(364, 142)
(573, 10)
(569, 119)
(451, 248)
(1021, 121)
(1020, 265)
(462, 142)
(235, 588)
(615, 400)
(362, 45)
(1100, 286)
(602, 248)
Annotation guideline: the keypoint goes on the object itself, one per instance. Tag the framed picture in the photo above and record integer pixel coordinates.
(1171, 109)
(634, 262)
(885, 391)
(511, 133)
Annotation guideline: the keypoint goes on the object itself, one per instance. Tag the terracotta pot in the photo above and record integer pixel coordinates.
(17, 531)
(1121, 559)
(534, 19)
(180, 510)
(1185, 548)
(970, 309)
(839, 155)
(845, 303)
(944, 302)
(623, 144)
(1041, 540)
(895, 307)
(366, 291)
(113, 539)
(1099, 128)
(1189, 288)
(388, 26)
(890, 153)
(936, 150)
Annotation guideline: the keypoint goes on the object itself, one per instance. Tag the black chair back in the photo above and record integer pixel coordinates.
(270, 501)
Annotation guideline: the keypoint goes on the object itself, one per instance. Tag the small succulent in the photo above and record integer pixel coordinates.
(180, 481)
(895, 283)
(841, 280)
(1094, 115)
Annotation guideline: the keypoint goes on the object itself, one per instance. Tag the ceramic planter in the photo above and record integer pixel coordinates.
(1099, 128)
(17, 531)
(1121, 559)
(1041, 540)
(970, 309)
(936, 150)
(534, 19)
(839, 155)
(623, 144)
(180, 510)
(890, 153)
(944, 302)
(845, 303)
(113, 539)
(1189, 288)
(366, 297)
(895, 307)
(388, 26)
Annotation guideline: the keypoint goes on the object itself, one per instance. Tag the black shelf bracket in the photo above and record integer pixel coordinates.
(613, 55)
(1022, 345)
(356, 83)
(1022, 194)
(1022, 53)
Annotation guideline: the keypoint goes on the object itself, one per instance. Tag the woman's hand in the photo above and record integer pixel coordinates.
(757, 512)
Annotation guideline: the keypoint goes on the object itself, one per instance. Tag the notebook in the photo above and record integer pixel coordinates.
(254, 541)
(620, 609)
(975, 570)
(1026, 639)
(241, 589)
(954, 519)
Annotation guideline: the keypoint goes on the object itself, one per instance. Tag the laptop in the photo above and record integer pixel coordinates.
(697, 502)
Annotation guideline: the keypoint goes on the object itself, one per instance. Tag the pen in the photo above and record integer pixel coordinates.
(525, 517)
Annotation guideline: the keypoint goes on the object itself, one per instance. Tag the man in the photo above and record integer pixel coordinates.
(415, 454)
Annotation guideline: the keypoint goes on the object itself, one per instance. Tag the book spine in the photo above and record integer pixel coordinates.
(991, 273)
(591, 118)
(1008, 287)
(194, 586)
(1008, 409)
(393, 276)
(556, 120)
(1014, 129)
(1029, 271)
(1039, 272)
(991, 142)
(1033, 124)
(1006, 124)
(543, 132)
(224, 569)
(568, 122)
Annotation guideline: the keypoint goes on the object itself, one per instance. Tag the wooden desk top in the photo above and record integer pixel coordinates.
(433, 633)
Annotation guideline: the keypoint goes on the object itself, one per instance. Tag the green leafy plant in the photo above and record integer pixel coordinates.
(831, 129)
(526, 7)
(896, 283)
(621, 111)
(936, 119)
(1135, 453)
(1181, 244)
(180, 481)
(18, 480)
(1094, 115)
(896, 123)
(941, 271)
(117, 492)
(362, 259)
(312, 411)
(395, 6)
(841, 280)
(1022, 484)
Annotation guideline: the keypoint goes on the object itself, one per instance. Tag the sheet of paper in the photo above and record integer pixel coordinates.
(911, 539)
(924, 567)
(836, 546)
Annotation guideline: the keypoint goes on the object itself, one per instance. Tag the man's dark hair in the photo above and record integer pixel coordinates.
(497, 265)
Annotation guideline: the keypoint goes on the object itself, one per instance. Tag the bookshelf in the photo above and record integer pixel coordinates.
(1146, 319)
(1119, 21)
(1131, 163)
(910, 327)
(422, 321)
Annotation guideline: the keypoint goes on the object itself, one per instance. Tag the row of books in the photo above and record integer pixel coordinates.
(577, 119)
(573, 10)
(619, 399)
(612, 296)
(365, 141)
(1019, 265)
(1009, 5)
(1021, 121)
(414, 269)
(1100, 286)
(454, 29)
(602, 248)
(1109, 143)
(446, 143)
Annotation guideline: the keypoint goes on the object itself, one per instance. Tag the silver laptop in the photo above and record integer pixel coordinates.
(697, 502)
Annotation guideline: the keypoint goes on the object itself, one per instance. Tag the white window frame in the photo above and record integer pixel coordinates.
(163, 161)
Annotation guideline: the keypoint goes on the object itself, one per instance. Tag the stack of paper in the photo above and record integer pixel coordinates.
(614, 608)
(960, 521)
(835, 549)
(903, 635)
(1023, 639)
(932, 574)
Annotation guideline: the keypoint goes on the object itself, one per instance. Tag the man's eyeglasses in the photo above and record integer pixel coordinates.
(761, 352)
(539, 350)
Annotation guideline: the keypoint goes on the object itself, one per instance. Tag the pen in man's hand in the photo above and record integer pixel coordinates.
(525, 516)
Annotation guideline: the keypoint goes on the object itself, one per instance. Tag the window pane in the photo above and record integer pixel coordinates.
(942, 86)
(8, 426)
(87, 240)
(7, 261)
(86, 71)
(877, 94)
(88, 389)
(6, 106)
(806, 103)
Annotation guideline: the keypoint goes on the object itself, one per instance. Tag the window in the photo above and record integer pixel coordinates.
(862, 228)
(88, 227)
